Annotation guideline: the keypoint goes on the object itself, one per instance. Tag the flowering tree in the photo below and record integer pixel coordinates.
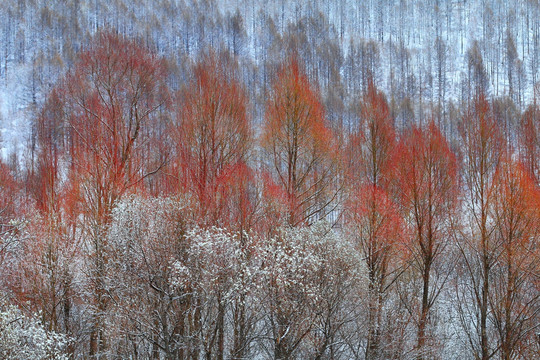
(220, 271)
(176, 287)
(42, 273)
(148, 312)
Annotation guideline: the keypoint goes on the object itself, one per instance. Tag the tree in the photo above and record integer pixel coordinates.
(341, 281)
(236, 32)
(52, 140)
(511, 57)
(212, 137)
(110, 106)
(482, 148)
(300, 147)
(221, 270)
(372, 216)
(51, 238)
(369, 62)
(477, 75)
(441, 68)
(529, 141)
(42, 272)
(148, 314)
(308, 278)
(8, 205)
(372, 143)
(24, 337)
(377, 229)
(515, 300)
(427, 179)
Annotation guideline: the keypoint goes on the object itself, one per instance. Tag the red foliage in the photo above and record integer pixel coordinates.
(370, 146)
(426, 183)
(300, 144)
(114, 94)
(482, 141)
(426, 172)
(482, 145)
(376, 218)
(516, 207)
(98, 125)
(516, 212)
(51, 137)
(97, 136)
(372, 216)
(212, 137)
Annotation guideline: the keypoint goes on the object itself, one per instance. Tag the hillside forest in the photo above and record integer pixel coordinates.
(241, 179)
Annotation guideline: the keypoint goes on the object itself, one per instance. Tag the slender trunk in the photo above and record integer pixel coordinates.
(221, 331)
(196, 329)
(155, 339)
(181, 330)
(425, 310)
(134, 344)
(484, 311)
(281, 348)
(484, 345)
(373, 330)
(93, 342)
(67, 312)
(506, 346)
(240, 331)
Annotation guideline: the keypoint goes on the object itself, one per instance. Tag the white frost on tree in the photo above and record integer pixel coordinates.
(25, 338)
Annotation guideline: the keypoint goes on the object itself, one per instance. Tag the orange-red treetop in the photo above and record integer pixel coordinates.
(482, 143)
(376, 222)
(370, 146)
(295, 115)
(516, 205)
(212, 136)
(426, 183)
(101, 121)
(299, 144)
(371, 213)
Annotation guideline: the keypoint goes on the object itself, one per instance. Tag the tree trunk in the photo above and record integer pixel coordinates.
(424, 311)
(221, 331)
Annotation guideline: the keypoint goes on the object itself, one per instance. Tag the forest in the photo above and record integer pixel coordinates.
(241, 179)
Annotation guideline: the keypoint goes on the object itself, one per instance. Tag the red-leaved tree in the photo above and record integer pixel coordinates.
(427, 178)
(212, 137)
(299, 146)
(482, 151)
(372, 216)
(515, 299)
(95, 139)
